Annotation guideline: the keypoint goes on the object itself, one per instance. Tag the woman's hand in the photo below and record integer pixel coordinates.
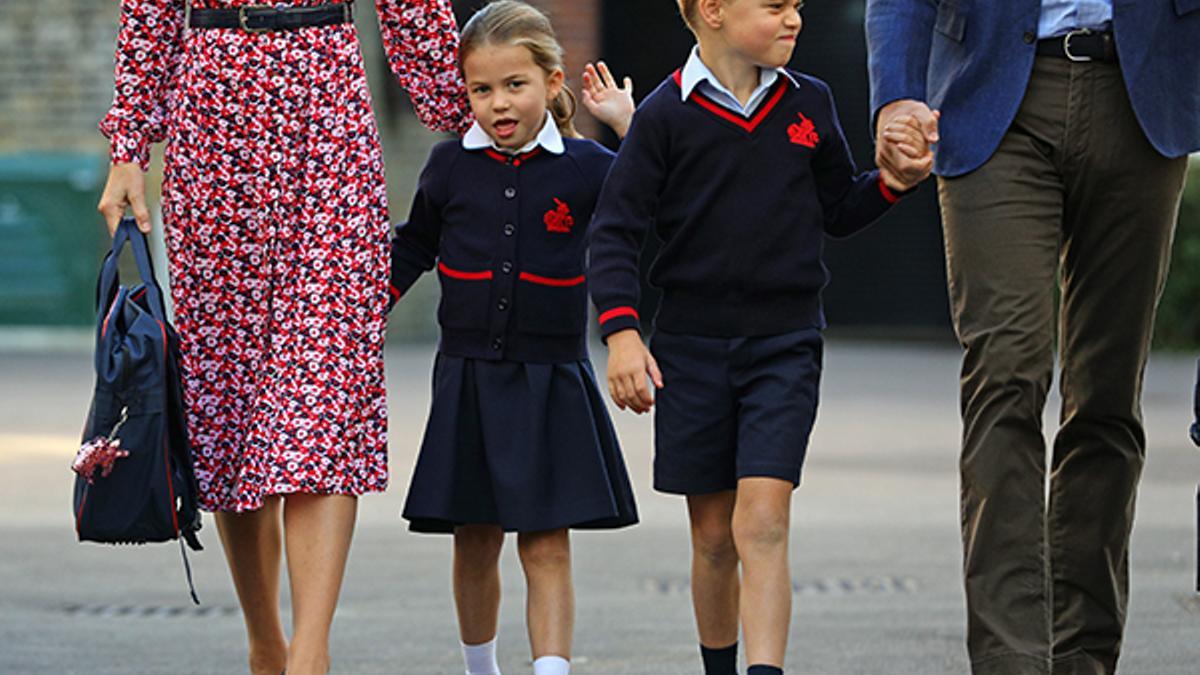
(126, 187)
(605, 101)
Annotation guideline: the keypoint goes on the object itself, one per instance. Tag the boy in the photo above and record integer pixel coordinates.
(742, 168)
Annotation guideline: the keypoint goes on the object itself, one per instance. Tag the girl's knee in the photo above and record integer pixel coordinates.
(478, 542)
(545, 550)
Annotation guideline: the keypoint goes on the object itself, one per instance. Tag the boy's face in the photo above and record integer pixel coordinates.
(509, 93)
(762, 31)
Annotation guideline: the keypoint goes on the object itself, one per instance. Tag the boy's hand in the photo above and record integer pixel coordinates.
(629, 362)
(606, 102)
(904, 141)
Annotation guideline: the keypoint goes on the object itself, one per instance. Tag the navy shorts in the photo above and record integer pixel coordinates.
(733, 408)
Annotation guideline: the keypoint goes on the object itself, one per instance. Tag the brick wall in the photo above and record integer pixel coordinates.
(55, 73)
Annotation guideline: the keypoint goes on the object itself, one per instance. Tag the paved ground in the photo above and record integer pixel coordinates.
(875, 545)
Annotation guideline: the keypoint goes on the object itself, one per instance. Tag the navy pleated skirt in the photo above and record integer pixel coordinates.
(526, 446)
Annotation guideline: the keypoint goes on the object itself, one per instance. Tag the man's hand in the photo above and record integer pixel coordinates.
(629, 362)
(902, 164)
(126, 187)
(904, 134)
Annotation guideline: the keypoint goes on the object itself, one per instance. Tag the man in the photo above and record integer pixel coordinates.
(1061, 157)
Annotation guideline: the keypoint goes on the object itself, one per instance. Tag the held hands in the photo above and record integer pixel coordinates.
(606, 102)
(629, 362)
(905, 132)
(126, 187)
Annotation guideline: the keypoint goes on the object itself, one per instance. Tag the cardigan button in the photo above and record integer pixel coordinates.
(509, 229)
(497, 344)
(510, 192)
(506, 267)
(1030, 37)
(502, 304)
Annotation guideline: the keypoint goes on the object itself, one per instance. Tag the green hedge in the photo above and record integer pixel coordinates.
(1178, 325)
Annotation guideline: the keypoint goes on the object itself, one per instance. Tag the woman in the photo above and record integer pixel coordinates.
(277, 233)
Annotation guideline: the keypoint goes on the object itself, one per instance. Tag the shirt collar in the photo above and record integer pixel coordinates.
(549, 138)
(695, 72)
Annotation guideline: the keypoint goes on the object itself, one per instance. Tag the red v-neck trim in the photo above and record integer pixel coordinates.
(746, 124)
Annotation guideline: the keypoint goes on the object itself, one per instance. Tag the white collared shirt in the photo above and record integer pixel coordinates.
(696, 74)
(549, 138)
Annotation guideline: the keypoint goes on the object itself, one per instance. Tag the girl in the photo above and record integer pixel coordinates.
(275, 209)
(518, 437)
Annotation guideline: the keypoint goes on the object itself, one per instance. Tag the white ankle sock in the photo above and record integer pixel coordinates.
(481, 659)
(551, 665)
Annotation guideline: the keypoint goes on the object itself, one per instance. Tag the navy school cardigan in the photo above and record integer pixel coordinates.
(741, 206)
(508, 235)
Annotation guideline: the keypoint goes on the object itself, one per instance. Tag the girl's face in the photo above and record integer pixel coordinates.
(509, 93)
(763, 31)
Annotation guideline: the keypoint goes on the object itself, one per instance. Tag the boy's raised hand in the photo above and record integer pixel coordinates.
(629, 362)
(911, 152)
(606, 101)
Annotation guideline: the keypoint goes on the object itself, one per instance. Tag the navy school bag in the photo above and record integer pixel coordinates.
(146, 491)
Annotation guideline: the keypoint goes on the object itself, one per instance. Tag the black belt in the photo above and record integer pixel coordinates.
(266, 18)
(1081, 45)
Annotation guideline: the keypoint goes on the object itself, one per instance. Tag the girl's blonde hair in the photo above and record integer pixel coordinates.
(509, 22)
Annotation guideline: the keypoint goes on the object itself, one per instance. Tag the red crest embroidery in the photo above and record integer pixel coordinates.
(803, 133)
(560, 219)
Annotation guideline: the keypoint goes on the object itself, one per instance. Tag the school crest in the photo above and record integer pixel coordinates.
(559, 219)
(803, 132)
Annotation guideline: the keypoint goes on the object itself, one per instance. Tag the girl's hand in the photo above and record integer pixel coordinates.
(126, 187)
(605, 101)
(629, 362)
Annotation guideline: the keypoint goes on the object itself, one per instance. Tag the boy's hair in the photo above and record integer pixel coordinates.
(510, 22)
(688, 10)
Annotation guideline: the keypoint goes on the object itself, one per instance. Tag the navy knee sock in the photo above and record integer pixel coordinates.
(721, 661)
(764, 670)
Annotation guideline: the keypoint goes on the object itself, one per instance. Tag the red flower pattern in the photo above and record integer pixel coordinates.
(277, 232)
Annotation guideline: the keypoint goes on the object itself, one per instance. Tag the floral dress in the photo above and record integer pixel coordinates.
(277, 232)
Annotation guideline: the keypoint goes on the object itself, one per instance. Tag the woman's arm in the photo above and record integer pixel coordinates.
(149, 45)
(421, 41)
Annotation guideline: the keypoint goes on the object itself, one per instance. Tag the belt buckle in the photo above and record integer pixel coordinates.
(1067, 45)
(244, 16)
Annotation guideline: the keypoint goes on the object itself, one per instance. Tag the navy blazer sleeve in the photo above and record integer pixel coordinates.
(415, 246)
(851, 200)
(899, 37)
(624, 213)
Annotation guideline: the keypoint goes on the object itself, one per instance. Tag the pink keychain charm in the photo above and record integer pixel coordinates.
(101, 453)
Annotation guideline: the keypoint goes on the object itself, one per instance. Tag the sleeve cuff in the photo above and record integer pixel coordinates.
(129, 149)
(892, 196)
(618, 319)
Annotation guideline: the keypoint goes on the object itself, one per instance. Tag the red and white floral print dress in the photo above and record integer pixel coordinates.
(277, 232)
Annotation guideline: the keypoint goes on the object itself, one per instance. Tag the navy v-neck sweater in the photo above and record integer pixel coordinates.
(741, 206)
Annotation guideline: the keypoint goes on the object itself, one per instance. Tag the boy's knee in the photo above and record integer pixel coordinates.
(760, 528)
(714, 543)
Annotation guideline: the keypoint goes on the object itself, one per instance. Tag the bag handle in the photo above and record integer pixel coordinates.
(110, 278)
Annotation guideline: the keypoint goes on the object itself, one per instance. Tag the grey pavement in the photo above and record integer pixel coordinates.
(875, 552)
